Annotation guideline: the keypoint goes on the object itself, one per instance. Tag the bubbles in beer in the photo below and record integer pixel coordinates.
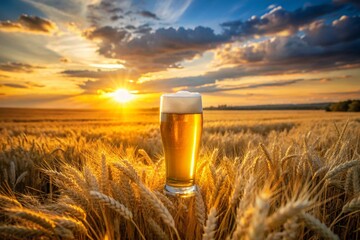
(181, 102)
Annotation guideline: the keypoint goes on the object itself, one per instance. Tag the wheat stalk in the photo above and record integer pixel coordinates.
(104, 175)
(318, 227)
(12, 173)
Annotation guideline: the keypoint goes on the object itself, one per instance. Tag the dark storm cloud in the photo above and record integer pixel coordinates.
(18, 67)
(278, 20)
(31, 24)
(149, 14)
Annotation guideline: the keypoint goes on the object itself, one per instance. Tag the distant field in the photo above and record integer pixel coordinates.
(88, 174)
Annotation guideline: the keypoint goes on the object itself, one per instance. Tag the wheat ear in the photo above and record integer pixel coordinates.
(314, 224)
(256, 230)
(129, 172)
(146, 156)
(340, 168)
(113, 204)
(284, 213)
(9, 201)
(39, 219)
(70, 223)
(353, 205)
(268, 157)
(356, 180)
(199, 208)
(20, 232)
(158, 206)
(210, 227)
(157, 229)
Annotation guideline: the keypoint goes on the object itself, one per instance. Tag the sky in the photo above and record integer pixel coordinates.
(78, 53)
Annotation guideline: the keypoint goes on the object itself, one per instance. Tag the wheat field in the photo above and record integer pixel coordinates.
(100, 175)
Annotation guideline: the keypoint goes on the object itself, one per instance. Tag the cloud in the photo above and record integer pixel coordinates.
(149, 14)
(96, 12)
(64, 60)
(292, 52)
(29, 24)
(157, 50)
(278, 20)
(218, 88)
(107, 35)
(354, 2)
(166, 47)
(18, 67)
(36, 100)
(14, 85)
(280, 55)
(37, 85)
(344, 29)
(26, 85)
(100, 74)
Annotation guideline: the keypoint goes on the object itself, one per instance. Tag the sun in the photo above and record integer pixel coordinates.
(122, 95)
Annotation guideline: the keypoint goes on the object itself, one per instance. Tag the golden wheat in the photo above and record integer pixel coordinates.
(258, 173)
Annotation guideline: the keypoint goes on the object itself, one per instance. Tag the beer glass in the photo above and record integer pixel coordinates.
(181, 122)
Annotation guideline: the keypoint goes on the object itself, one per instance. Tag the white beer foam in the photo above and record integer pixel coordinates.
(181, 102)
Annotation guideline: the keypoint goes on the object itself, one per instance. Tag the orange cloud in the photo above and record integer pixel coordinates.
(29, 24)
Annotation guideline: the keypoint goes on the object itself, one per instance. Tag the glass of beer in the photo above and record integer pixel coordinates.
(181, 123)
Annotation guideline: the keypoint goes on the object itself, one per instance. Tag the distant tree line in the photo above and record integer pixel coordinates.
(344, 106)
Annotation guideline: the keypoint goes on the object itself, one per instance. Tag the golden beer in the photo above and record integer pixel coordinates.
(181, 123)
(181, 135)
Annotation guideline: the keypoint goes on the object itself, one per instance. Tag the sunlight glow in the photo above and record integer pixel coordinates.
(122, 95)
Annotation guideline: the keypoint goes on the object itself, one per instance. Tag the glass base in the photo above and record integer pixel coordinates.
(180, 191)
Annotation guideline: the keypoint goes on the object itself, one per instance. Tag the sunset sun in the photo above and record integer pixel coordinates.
(122, 95)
